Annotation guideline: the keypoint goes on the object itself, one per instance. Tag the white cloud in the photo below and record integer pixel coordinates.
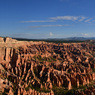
(37, 21)
(50, 34)
(88, 20)
(85, 34)
(73, 18)
(59, 25)
(54, 19)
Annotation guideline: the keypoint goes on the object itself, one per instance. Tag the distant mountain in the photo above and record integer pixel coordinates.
(77, 38)
(72, 39)
(81, 38)
(58, 39)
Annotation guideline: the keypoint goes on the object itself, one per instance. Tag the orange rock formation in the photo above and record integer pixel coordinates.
(33, 68)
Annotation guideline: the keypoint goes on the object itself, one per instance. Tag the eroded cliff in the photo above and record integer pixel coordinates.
(37, 68)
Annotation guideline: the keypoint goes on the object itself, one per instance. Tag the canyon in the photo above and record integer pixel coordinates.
(45, 68)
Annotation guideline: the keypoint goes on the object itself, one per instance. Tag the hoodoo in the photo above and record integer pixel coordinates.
(41, 68)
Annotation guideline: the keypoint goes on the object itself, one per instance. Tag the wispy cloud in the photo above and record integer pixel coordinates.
(82, 18)
(84, 34)
(73, 18)
(60, 18)
(59, 25)
(88, 20)
(37, 21)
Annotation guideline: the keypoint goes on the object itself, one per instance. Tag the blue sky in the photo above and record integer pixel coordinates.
(47, 18)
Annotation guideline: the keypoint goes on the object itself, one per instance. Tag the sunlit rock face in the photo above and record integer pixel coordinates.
(36, 68)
